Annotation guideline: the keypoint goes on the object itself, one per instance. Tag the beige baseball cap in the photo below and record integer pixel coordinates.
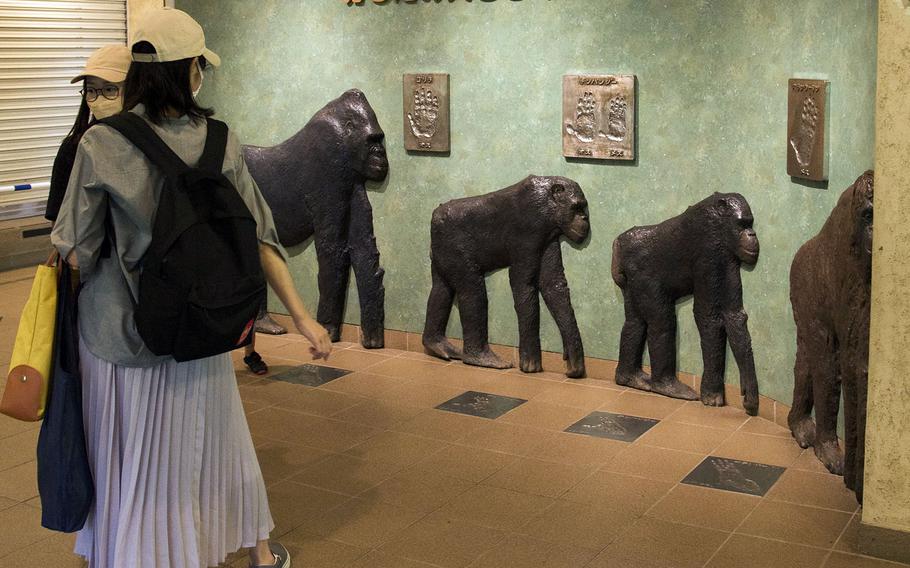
(173, 34)
(110, 62)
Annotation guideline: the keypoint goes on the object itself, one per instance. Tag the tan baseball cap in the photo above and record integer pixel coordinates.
(110, 62)
(173, 34)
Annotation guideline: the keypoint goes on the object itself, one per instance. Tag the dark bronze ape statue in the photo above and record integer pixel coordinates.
(830, 289)
(519, 227)
(314, 184)
(698, 253)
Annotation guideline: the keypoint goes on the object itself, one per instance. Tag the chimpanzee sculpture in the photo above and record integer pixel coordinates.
(830, 289)
(519, 227)
(698, 252)
(314, 184)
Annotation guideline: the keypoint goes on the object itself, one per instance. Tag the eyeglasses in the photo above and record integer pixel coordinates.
(110, 92)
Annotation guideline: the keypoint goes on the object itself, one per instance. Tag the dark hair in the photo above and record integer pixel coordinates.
(162, 87)
(83, 119)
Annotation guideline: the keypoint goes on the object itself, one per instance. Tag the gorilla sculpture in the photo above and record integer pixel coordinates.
(314, 184)
(519, 227)
(830, 289)
(698, 252)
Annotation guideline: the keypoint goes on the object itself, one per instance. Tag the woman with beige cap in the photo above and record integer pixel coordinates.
(102, 96)
(177, 481)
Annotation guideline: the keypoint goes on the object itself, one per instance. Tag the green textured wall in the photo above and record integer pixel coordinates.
(712, 113)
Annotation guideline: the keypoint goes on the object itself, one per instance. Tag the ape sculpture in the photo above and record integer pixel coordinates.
(698, 252)
(314, 183)
(830, 289)
(517, 227)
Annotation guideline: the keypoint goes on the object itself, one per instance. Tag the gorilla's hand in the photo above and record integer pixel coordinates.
(426, 113)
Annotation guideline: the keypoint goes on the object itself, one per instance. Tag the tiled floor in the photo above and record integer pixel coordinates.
(390, 464)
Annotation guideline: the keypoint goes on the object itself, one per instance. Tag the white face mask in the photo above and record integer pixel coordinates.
(103, 108)
(201, 77)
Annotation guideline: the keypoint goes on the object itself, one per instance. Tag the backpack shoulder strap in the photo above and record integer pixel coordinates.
(212, 158)
(138, 131)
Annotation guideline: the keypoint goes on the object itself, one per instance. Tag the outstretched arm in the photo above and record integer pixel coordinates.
(555, 291)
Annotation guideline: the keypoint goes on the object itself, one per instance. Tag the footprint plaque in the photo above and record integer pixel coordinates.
(598, 117)
(807, 129)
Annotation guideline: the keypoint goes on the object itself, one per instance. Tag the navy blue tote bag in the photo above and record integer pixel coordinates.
(64, 476)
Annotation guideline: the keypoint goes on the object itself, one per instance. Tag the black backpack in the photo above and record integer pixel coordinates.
(201, 282)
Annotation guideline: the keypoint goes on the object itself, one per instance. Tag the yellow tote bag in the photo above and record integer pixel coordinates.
(25, 396)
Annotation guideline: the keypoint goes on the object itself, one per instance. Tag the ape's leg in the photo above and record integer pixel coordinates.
(365, 260)
(714, 356)
(800, 418)
(439, 306)
(826, 394)
(555, 291)
(741, 344)
(524, 279)
(661, 318)
(334, 268)
(472, 306)
(631, 348)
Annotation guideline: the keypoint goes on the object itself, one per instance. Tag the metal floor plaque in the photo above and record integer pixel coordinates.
(481, 404)
(598, 117)
(735, 475)
(613, 426)
(807, 129)
(310, 375)
(426, 112)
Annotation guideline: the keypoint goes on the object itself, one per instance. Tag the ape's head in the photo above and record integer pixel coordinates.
(861, 216)
(733, 218)
(568, 205)
(361, 138)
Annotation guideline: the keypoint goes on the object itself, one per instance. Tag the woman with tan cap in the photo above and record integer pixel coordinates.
(102, 96)
(177, 482)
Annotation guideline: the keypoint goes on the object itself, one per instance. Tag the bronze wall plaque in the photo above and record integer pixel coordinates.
(426, 112)
(807, 148)
(598, 116)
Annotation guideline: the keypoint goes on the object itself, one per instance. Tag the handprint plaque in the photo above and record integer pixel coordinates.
(598, 117)
(426, 112)
(807, 148)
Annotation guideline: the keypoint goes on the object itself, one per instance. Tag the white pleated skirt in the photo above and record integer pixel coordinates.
(177, 482)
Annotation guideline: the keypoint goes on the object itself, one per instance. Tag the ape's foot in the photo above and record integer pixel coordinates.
(750, 404)
(830, 454)
(333, 330)
(712, 398)
(440, 347)
(673, 388)
(265, 324)
(804, 431)
(486, 358)
(575, 366)
(372, 338)
(530, 364)
(635, 380)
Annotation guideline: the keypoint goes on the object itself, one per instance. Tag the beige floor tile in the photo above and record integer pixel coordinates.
(525, 386)
(362, 523)
(18, 449)
(601, 369)
(298, 398)
(723, 417)
(293, 503)
(596, 382)
(519, 551)
(344, 359)
(420, 491)
(11, 426)
(443, 542)
(310, 550)
(544, 415)
(703, 507)
(462, 376)
(463, 462)
(20, 483)
(635, 403)
(381, 414)
(795, 523)
(849, 540)
(578, 396)
(816, 489)
(652, 543)
(841, 560)
(396, 447)
(280, 460)
(557, 376)
(652, 462)
(364, 384)
(495, 508)
(527, 475)
(20, 526)
(808, 461)
(441, 425)
(313, 431)
(347, 474)
(684, 437)
(421, 395)
(564, 447)
(378, 559)
(7, 503)
(760, 449)
(758, 425)
(407, 368)
(743, 551)
(53, 552)
(587, 525)
(507, 438)
(634, 495)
